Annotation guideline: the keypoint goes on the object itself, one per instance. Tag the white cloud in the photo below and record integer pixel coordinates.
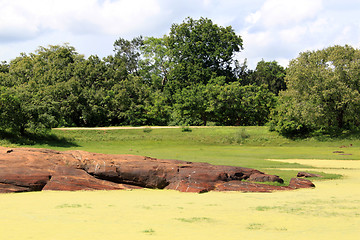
(282, 13)
(123, 16)
(271, 29)
(30, 18)
(280, 28)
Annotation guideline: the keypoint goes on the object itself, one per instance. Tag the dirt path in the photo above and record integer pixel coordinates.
(119, 128)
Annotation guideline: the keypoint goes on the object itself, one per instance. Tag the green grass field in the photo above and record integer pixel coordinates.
(330, 211)
(252, 147)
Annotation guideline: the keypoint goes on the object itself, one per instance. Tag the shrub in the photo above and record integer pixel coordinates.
(186, 129)
(147, 130)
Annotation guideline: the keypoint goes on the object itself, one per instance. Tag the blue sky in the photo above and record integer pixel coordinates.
(271, 29)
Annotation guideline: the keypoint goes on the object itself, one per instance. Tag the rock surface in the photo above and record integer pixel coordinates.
(300, 183)
(307, 175)
(27, 169)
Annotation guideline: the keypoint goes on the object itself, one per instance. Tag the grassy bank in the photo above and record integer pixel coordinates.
(252, 147)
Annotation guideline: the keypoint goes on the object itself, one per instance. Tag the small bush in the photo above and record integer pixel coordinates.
(239, 137)
(186, 129)
(147, 130)
(211, 124)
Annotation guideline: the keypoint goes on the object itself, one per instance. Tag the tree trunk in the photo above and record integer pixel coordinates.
(340, 118)
(22, 130)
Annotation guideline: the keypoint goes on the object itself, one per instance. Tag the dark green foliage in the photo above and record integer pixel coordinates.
(201, 50)
(188, 77)
(147, 130)
(242, 105)
(323, 94)
(191, 106)
(186, 128)
(9, 110)
(223, 104)
(4, 67)
(156, 64)
(271, 75)
(129, 53)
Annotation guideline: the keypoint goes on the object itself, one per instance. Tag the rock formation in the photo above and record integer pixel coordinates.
(26, 169)
(308, 175)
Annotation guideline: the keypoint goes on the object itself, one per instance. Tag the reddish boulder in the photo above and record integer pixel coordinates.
(265, 178)
(307, 175)
(9, 188)
(186, 186)
(300, 183)
(70, 179)
(25, 169)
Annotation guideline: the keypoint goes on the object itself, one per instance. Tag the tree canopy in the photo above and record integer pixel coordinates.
(188, 77)
(201, 50)
(271, 75)
(323, 92)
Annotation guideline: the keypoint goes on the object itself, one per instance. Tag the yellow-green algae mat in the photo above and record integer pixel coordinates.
(330, 211)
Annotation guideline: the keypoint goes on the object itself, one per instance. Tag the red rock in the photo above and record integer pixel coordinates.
(26, 169)
(68, 179)
(186, 186)
(9, 188)
(257, 177)
(300, 183)
(307, 175)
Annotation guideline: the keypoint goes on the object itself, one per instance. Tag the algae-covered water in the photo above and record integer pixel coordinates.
(330, 211)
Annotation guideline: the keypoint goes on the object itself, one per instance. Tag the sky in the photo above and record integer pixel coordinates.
(271, 29)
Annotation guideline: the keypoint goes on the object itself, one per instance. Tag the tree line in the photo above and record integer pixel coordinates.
(187, 77)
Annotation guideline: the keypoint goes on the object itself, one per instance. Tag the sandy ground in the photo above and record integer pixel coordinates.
(330, 211)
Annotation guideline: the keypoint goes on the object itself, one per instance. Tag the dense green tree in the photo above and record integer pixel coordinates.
(37, 110)
(83, 94)
(223, 104)
(20, 71)
(4, 67)
(4, 73)
(191, 106)
(10, 115)
(187, 77)
(129, 51)
(271, 75)
(158, 110)
(33, 79)
(129, 102)
(323, 92)
(242, 105)
(201, 50)
(156, 64)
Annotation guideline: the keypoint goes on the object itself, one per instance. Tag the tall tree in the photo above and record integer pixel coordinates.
(323, 92)
(156, 64)
(242, 105)
(271, 75)
(201, 50)
(129, 51)
(36, 81)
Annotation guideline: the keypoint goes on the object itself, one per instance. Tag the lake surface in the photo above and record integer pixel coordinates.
(330, 211)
